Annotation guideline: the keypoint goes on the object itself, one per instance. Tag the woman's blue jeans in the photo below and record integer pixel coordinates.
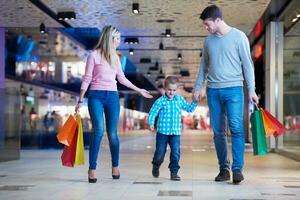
(102, 103)
(226, 105)
(161, 147)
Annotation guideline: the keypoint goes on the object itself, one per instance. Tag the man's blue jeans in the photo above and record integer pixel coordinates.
(226, 105)
(161, 147)
(102, 103)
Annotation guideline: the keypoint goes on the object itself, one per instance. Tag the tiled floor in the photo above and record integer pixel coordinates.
(39, 175)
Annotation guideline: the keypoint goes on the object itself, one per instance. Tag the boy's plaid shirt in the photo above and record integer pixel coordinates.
(169, 114)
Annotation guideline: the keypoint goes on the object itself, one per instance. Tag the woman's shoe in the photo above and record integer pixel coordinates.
(92, 180)
(91, 176)
(115, 175)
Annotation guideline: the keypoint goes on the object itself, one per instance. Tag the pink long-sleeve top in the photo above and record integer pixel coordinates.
(101, 75)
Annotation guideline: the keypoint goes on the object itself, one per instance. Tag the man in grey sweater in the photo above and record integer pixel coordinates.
(226, 61)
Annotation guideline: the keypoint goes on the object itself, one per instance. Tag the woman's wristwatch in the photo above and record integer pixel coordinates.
(79, 101)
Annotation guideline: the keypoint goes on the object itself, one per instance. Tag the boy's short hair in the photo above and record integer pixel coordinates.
(171, 80)
(212, 12)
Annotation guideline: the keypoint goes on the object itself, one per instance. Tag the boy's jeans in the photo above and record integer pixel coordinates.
(161, 147)
(228, 102)
(106, 102)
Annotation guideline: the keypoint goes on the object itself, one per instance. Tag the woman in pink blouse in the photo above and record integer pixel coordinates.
(102, 68)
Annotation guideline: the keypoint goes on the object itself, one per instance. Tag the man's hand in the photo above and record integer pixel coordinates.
(197, 95)
(254, 98)
(152, 128)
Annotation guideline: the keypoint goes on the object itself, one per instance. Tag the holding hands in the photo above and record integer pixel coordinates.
(197, 96)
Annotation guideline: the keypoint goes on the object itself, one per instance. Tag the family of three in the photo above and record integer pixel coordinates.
(225, 64)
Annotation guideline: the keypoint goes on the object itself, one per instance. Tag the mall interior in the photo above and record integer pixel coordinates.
(44, 45)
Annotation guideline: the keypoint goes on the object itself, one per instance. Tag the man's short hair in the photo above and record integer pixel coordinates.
(212, 12)
(171, 80)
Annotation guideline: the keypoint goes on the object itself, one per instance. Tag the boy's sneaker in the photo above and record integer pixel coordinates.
(224, 175)
(175, 177)
(155, 172)
(237, 177)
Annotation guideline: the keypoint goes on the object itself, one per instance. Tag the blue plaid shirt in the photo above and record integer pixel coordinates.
(169, 114)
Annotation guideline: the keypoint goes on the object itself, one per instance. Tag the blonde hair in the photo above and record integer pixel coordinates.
(171, 80)
(106, 45)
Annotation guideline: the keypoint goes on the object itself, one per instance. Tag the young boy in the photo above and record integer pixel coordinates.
(168, 108)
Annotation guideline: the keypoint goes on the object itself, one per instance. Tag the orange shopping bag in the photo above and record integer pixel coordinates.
(268, 124)
(272, 125)
(275, 127)
(67, 132)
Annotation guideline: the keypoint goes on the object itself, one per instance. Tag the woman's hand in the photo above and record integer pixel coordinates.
(77, 107)
(145, 94)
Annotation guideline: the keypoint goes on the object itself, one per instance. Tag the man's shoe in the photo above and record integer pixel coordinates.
(155, 172)
(224, 175)
(237, 177)
(175, 177)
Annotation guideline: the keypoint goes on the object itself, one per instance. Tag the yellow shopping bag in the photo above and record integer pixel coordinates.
(79, 156)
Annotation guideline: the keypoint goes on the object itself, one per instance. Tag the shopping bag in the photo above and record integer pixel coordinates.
(258, 133)
(68, 155)
(79, 156)
(66, 133)
(271, 124)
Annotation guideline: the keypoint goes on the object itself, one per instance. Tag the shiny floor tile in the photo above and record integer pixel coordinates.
(15, 187)
(175, 193)
(39, 173)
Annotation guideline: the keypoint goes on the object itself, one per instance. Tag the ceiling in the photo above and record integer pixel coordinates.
(183, 17)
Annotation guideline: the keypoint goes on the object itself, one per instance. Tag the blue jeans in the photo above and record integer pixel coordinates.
(161, 147)
(102, 103)
(226, 105)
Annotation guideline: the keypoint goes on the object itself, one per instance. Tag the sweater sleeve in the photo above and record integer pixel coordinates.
(247, 64)
(202, 69)
(88, 75)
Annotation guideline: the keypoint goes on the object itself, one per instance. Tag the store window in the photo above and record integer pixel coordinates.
(291, 92)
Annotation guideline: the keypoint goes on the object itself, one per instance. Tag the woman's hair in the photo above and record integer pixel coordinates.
(171, 80)
(212, 12)
(106, 45)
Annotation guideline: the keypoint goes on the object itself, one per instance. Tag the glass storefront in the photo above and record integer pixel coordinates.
(291, 92)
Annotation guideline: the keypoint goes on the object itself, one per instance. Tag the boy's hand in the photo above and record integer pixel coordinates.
(152, 128)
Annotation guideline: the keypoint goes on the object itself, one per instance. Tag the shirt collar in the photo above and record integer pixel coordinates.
(167, 98)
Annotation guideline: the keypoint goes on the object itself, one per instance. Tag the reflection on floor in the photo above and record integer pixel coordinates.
(39, 174)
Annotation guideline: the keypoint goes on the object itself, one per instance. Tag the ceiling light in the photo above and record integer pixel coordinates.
(184, 72)
(129, 40)
(295, 19)
(67, 15)
(161, 76)
(42, 28)
(131, 51)
(145, 60)
(161, 46)
(179, 57)
(168, 32)
(298, 15)
(135, 8)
